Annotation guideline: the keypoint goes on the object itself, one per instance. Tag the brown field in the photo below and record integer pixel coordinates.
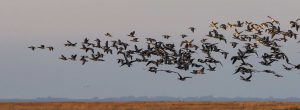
(151, 106)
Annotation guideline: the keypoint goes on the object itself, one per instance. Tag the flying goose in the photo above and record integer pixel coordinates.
(108, 34)
(100, 55)
(225, 54)
(297, 66)
(87, 48)
(151, 40)
(32, 48)
(83, 59)
(131, 34)
(50, 48)
(203, 40)
(237, 34)
(134, 40)
(273, 72)
(239, 24)
(182, 78)
(287, 68)
(183, 35)
(166, 36)
(153, 69)
(86, 41)
(210, 68)
(41, 47)
(246, 79)
(273, 20)
(213, 25)
(223, 26)
(97, 40)
(73, 57)
(96, 58)
(63, 57)
(192, 29)
(201, 71)
(70, 44)
(294, 25)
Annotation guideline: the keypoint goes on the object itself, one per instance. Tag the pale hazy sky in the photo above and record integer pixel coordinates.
(27, 74)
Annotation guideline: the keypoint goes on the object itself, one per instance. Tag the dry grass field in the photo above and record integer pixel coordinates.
(152, 106)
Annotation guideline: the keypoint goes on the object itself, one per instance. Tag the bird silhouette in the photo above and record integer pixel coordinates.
(247, 79)
(192, 29)
(287, 68)
(273, 20)
(294, 24)
(108, 34)
(86, 41)
(210, 68)
(214, 25)
(63, 57)
(233, 44)
(134, 40)
(83, 59)
(131, 34)
(70, 44)
(32, 48)
(96, 58)
(183, 35)
(181, 78)
(41, 47)
(50, 48)
(166, 36)
(73, 57)
(153, 69)
(201, 71)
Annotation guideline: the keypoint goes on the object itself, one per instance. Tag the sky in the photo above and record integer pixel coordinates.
(31, 74)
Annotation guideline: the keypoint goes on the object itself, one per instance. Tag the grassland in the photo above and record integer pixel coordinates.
(151, 106)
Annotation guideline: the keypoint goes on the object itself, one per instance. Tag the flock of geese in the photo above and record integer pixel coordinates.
(197, 55)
